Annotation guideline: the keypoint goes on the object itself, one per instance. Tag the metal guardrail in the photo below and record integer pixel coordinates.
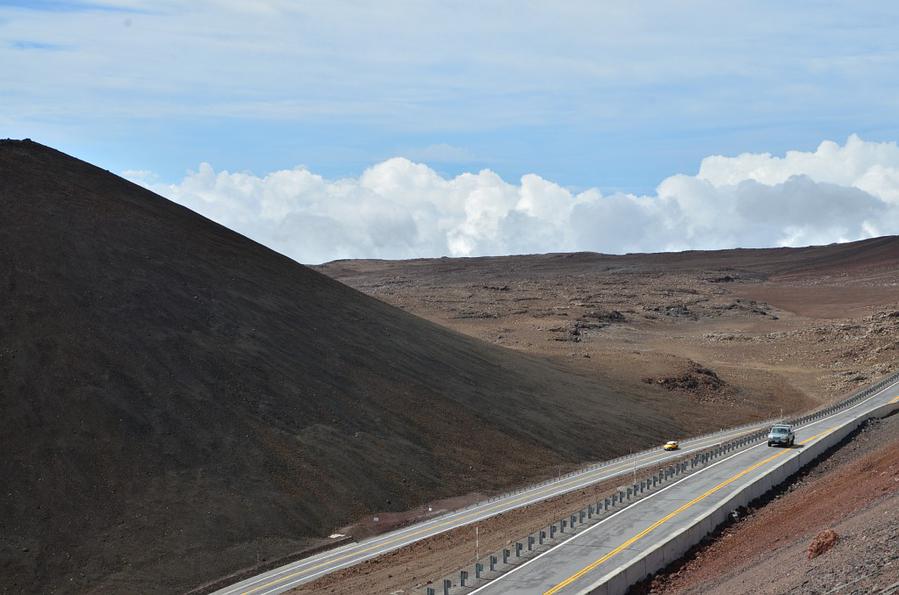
(489, 568)
(852, 399)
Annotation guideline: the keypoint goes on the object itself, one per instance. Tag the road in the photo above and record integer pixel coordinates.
(309, 569)
(599, 552)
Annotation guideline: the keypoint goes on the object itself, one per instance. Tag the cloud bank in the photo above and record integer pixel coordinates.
(402, 209)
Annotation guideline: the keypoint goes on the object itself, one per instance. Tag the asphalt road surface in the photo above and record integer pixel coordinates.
(309, 569)
(592, 556)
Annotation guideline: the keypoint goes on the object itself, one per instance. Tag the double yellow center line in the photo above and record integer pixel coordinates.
(580, 573)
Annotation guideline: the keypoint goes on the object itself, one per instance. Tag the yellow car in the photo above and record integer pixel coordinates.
(671, 445)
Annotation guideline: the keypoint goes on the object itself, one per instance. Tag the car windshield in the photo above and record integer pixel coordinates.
(780, 431)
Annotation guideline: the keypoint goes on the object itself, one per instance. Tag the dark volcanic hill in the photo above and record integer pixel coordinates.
(177, 401)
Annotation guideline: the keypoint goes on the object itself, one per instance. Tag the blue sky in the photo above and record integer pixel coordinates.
(616, 96)
(610, 94)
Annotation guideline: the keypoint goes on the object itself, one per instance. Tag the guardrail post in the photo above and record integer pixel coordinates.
(492, 563)
(430, 591)
(606, 504)
(478, 568)
(542, 536)
(552, 531)
(562, 524)
(463, 576)
(518, 547)
(506, 554)
(446, 586)
(590, 511)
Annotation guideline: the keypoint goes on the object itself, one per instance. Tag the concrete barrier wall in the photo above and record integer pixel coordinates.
(557, 532)
(619, 580)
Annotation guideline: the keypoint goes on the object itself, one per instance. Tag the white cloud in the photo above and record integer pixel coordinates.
(402, 209)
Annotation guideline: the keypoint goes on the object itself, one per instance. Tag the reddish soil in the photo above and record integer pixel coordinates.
(845, 510)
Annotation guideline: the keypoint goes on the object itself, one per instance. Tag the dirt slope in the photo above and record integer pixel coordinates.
(178, 402)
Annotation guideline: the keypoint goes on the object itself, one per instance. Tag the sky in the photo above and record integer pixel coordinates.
(394, 129)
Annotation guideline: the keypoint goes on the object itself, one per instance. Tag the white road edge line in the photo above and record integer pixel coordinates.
(736, 454)
(587, 476)
(308, 578)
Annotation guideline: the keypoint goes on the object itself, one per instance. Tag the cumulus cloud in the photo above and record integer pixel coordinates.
(402, 209)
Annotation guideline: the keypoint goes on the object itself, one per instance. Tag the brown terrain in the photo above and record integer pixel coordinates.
(834, 529)
(179, 403)
(762, 328)
(774, 328)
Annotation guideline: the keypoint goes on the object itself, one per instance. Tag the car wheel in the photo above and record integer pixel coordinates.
(769, 444)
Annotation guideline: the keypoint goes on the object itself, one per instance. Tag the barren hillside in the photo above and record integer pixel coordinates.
(178, 402)
(721, 328)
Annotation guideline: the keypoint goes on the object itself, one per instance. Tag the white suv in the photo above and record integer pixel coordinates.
(781, 435)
